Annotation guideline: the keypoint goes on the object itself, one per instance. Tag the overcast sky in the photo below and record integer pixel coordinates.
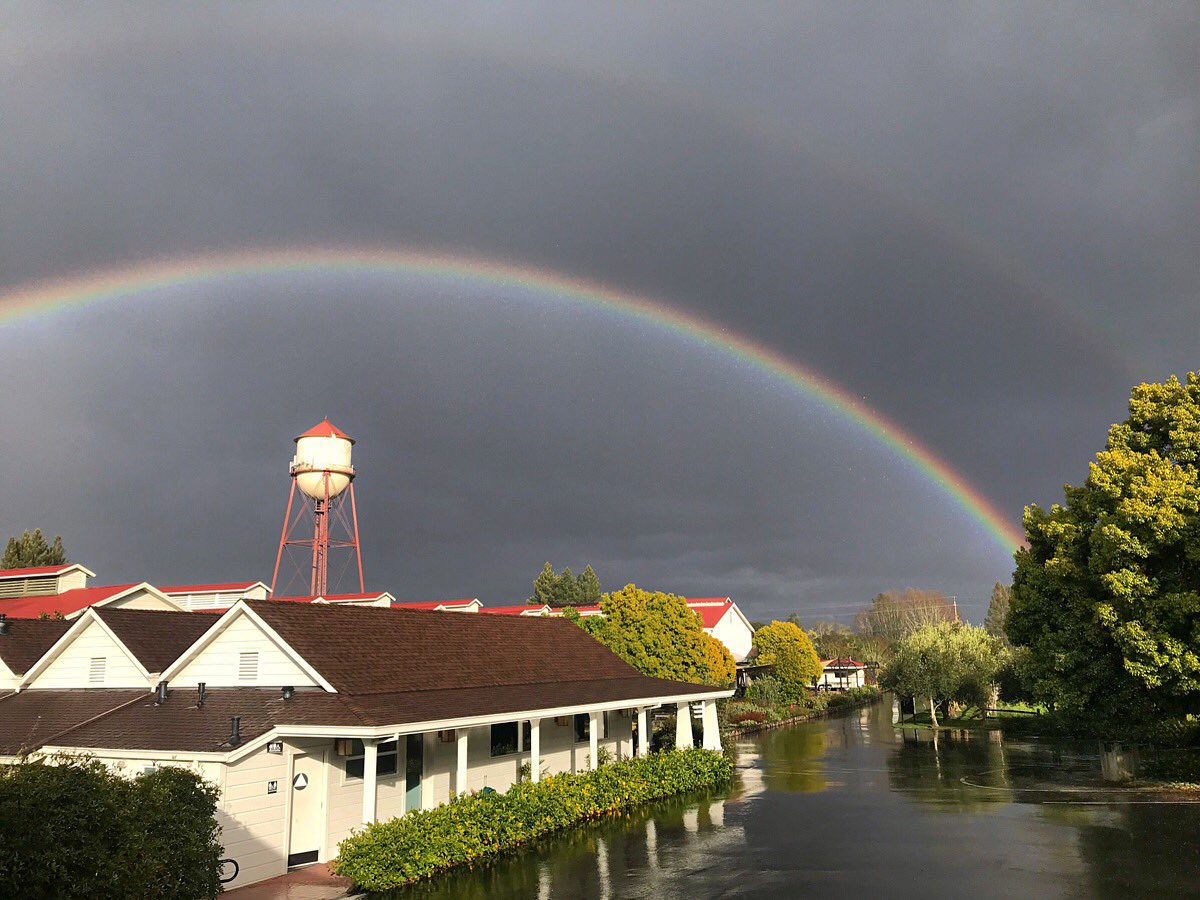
(982, 222)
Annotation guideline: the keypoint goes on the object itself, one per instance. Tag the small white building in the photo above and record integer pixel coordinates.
(315, 718)
(841, 674)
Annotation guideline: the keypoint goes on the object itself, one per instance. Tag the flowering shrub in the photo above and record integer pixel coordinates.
(471, 828)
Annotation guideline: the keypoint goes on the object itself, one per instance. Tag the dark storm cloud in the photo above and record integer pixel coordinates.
(950, 213)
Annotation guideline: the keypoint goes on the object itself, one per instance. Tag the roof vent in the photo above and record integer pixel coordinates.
(200, 693)
(160, 693)
(4, 626)
(235, 730)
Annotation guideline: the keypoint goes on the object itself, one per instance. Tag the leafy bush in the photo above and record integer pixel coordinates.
(853, 697)
(474, 827)
(769, 690)
(76, 830)
(747, 715)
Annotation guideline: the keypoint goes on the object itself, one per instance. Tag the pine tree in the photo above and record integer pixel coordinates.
(589, 587)
(545, 587)
(31, 549)
(997, 614)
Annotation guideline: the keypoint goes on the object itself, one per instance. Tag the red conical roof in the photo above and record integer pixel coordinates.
(325, 428)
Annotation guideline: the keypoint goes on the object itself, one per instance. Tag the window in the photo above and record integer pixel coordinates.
(248, 665)
(96, 669)
(583, 727)
(604, 725)
(526, 732)
(504, 739)
(385, 762)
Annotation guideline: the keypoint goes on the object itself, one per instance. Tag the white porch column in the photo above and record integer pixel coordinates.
(593, 741)
(460, 773)
(711, 738)
(535, 750)
(683, 726)
(370, 758)
(643, 728)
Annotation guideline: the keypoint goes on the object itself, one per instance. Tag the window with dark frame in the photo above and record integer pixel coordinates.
(386, 762)
(583, 727)
(504, 738)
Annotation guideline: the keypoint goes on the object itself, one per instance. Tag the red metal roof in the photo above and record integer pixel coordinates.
(517, 610)
(208, 588)
(432, 604)
(66, 603)
(711, 609)
(34, 571)
(309, 598)
(844, 662)
(325, 428)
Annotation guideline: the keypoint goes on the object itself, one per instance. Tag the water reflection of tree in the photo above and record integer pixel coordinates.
(953, 771)
(793, 759)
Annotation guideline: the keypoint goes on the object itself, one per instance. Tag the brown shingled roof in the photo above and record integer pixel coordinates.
(368, 650)
(27, 640)
(156, 637)
(179, 724)
(31, 718)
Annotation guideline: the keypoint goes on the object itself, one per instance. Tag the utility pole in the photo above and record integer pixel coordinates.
(954, 600)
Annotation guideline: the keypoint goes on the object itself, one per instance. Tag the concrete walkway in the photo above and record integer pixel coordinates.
(313, 882)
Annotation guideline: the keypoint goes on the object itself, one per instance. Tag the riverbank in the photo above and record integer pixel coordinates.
(855, 699)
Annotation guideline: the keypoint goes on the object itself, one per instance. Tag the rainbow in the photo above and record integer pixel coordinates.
(110, 284)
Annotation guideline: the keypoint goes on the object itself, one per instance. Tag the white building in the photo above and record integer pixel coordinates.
(842, 674)
(315, 718)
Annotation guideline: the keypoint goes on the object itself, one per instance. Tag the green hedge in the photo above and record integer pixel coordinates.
(471, 828)
(76, 830)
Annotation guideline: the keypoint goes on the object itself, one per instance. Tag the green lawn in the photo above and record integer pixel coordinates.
(970, 717)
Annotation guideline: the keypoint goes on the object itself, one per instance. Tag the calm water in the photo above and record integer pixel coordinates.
(850, 804)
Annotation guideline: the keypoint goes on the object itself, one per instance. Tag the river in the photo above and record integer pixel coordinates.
(850, 806)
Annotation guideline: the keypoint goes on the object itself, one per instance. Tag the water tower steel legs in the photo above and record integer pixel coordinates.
(323, 509)
(287, 518)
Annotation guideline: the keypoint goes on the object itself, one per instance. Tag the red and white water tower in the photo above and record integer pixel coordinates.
(321, 472)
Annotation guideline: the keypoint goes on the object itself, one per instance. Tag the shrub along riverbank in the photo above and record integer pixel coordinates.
(768, 705)
(474, 827)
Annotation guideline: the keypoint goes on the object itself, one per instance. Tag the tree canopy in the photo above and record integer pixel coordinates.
(659, 636)
(945, 661)
(565, 588)
(893, 615)
(31, 549)
(785, 646)
(1106, 595)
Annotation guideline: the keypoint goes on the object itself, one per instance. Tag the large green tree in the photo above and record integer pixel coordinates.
(659, 636)
(1106, 595)
(565, 588)
(785, 646)
(31, 549)
(945, 661)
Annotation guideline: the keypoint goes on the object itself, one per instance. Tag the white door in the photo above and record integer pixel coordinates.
(308, 809)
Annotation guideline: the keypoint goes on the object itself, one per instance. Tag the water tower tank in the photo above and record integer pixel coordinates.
(323, 449)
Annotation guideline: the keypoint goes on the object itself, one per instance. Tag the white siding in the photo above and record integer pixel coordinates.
(735, 634)
(8, 678)
(69, 581)
(253, 822)
(142, 599)
(71, 668)
(218, 663)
